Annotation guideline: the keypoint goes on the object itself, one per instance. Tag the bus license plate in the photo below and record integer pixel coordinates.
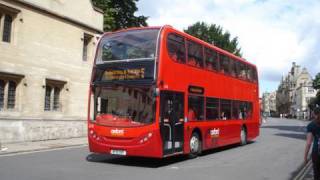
(118, 152)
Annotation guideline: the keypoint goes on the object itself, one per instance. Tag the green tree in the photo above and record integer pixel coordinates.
(119, 14)
(316, 85)
(316, 82)
(214, 34)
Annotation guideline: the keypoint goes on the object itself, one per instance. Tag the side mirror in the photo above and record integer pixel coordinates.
(156, 92)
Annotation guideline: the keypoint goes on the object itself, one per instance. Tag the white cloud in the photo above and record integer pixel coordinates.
(271, 33)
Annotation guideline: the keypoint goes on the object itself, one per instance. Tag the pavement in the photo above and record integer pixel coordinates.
(306, 172)
(24, 147)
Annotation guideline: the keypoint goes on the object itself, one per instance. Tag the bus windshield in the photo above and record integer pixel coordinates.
(123, 105)
(128, 45)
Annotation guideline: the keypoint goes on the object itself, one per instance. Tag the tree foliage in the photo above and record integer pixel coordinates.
(214, 34)
(119, 14)
(316, 82)
(316, 85)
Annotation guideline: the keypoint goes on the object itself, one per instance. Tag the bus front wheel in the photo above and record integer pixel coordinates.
(195, 145)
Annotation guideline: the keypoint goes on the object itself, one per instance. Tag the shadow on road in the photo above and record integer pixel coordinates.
(135, 161)
(286, 128)
(292, 135)
(149, 162)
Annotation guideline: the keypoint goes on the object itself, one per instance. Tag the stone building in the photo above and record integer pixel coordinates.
(295, 92)
(46, 55)
(269, 103)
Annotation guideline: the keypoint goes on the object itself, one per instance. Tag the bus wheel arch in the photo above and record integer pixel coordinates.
(243, 135)
(195, 143)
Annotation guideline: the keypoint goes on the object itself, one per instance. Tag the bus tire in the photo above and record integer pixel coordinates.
(195, 145)
(243, 136)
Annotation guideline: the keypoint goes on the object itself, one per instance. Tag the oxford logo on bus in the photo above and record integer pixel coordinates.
(117, 132)
(215, 132)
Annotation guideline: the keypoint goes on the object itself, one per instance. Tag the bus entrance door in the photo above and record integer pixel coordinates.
(172, 121)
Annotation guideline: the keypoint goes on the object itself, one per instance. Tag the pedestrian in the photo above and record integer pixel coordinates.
(313, 134)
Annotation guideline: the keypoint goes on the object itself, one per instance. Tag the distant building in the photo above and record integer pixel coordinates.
(269, 103)
(46, 54)
(294, 93)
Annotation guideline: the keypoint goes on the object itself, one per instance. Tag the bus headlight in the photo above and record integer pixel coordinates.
(94, 135)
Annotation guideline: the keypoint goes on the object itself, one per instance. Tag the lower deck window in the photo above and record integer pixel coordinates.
(196, 108)
(212, 108)
(225, 112)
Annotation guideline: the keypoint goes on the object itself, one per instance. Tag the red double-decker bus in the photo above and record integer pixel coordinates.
(158, 92)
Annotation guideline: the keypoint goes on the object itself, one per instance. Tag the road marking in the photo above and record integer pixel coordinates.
(304, 171)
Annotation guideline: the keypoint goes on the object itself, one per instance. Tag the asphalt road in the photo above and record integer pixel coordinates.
(276, 154)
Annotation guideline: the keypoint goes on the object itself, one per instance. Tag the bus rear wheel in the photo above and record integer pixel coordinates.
(243, 137)
(195, 145)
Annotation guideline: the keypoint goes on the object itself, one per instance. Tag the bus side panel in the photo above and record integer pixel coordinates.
(178, 77)
(254, 125)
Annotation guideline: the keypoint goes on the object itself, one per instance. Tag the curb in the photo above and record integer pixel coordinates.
(4, 153)
(304, 171)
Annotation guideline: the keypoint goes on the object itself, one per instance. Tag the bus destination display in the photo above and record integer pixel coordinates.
(124, 74)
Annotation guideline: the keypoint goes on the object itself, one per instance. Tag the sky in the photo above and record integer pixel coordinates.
(271, 33)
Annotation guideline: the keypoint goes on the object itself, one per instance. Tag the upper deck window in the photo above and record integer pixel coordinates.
(211, 59)
(195, 54)
(242, 71)
(176, 48)
(252, 74)
(224, 64)
(128, 45)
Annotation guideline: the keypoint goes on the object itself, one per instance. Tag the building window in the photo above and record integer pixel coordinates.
(47, 98)
(7, 18)
(7, 28)
(8, 91)
(2, 86)
(86, 41)
(56, 99)
(310, 90)
(11, 94)
(52, 99)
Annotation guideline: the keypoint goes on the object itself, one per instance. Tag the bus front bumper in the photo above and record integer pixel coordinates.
(144, 146)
